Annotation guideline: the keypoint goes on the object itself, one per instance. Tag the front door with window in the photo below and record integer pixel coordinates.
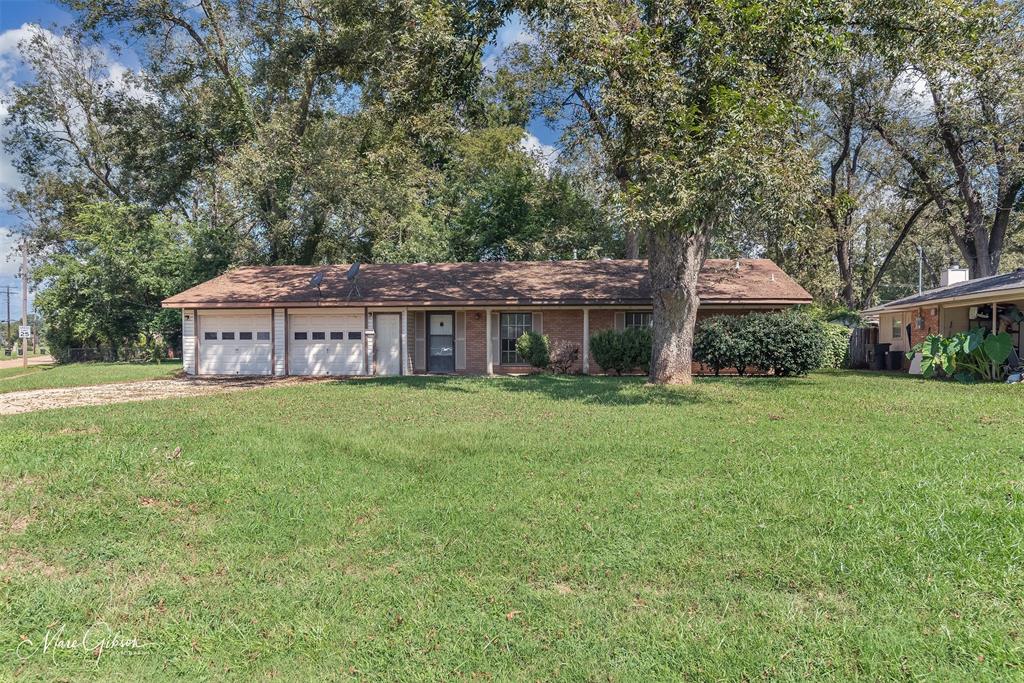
(440, 342)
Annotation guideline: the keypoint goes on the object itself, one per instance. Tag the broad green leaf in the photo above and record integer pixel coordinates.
(997, 347)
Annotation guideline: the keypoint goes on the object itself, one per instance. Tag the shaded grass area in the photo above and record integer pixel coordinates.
(82, 374)
(844, 525)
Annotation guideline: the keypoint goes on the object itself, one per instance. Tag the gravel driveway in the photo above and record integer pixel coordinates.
(125, 392)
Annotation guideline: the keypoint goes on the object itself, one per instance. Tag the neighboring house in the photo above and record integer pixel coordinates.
(957, 306)
(401, 319)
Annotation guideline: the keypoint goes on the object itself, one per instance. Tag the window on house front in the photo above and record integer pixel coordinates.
(262, 336)
(355, 335)
(337, 335)
(512, 327)
(247, 336)
(209, 336)
(638, 319)
(227, 336)
(319, 335)
(897, 328)
(301, 336)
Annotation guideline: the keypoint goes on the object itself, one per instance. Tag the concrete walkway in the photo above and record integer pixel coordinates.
(125, 392)
(33, 360)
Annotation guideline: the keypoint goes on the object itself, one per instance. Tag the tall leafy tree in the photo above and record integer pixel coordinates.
(955, 113)
(704, 94)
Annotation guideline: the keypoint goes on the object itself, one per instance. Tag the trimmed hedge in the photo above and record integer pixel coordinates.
(785, 344)
(626, 351)
(535, 349)
(719, 342)
(837, 345)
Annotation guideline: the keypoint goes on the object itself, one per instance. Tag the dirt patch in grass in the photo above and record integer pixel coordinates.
(18, 524)
(20, 563)
(10, 486)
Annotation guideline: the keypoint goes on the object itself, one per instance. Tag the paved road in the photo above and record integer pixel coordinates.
(34, 360)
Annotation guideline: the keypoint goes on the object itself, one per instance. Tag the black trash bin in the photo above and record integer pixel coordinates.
(896, 360)
(878, 362)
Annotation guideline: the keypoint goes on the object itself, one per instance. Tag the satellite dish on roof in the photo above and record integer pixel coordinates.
(353, 271)
(315, 282)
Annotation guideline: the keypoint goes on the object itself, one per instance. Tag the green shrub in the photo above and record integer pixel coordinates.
(534, 348)
(837, 345)
(965, 356)
(624, 351)
(719, 343)
(784, 343)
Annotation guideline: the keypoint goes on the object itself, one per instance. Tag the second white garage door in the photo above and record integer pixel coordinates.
(326, 343)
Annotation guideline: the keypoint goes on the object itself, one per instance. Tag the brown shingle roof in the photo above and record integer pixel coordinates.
(756, 281)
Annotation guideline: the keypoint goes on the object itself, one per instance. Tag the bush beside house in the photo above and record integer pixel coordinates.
(784, 344)
(837, 345)
(535, 349)
(625, 351)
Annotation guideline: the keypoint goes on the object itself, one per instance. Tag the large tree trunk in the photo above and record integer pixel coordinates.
(844, 256)
(632, 243)
(674, 261)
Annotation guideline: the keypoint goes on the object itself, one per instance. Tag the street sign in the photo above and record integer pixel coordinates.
(24, 331)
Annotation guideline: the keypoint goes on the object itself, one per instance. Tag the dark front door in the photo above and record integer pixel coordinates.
(441, 342)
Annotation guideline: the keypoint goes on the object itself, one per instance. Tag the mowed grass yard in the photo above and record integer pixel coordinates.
(82, 374)
(839, 526)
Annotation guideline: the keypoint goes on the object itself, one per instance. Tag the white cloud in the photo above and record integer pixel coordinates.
(512, 32)
(14, 70)
(8, 250)
(545, 154)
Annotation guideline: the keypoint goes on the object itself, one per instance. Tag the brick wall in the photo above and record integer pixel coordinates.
(566, 327)
(929, 316)
(476, 343)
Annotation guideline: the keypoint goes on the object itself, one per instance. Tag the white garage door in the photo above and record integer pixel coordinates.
(234, 343)
(326, 343)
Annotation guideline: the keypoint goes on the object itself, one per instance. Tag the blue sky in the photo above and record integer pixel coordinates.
(15, 15)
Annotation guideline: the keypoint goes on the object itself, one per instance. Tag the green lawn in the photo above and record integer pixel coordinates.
(840, 526)
(81, 374)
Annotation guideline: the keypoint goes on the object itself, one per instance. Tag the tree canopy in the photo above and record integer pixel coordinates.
(844, 140)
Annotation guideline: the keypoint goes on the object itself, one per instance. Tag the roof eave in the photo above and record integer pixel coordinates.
(339, 303)
(969, 299)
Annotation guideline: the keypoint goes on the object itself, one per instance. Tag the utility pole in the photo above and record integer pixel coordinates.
(24, 299)
(7, 339)
(920, 269)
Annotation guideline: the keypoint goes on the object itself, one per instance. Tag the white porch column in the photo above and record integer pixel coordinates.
(586, 341)
(487, 336)
(405, 341)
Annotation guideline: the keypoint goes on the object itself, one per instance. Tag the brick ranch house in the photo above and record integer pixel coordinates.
(957, 305)
(462, 318)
